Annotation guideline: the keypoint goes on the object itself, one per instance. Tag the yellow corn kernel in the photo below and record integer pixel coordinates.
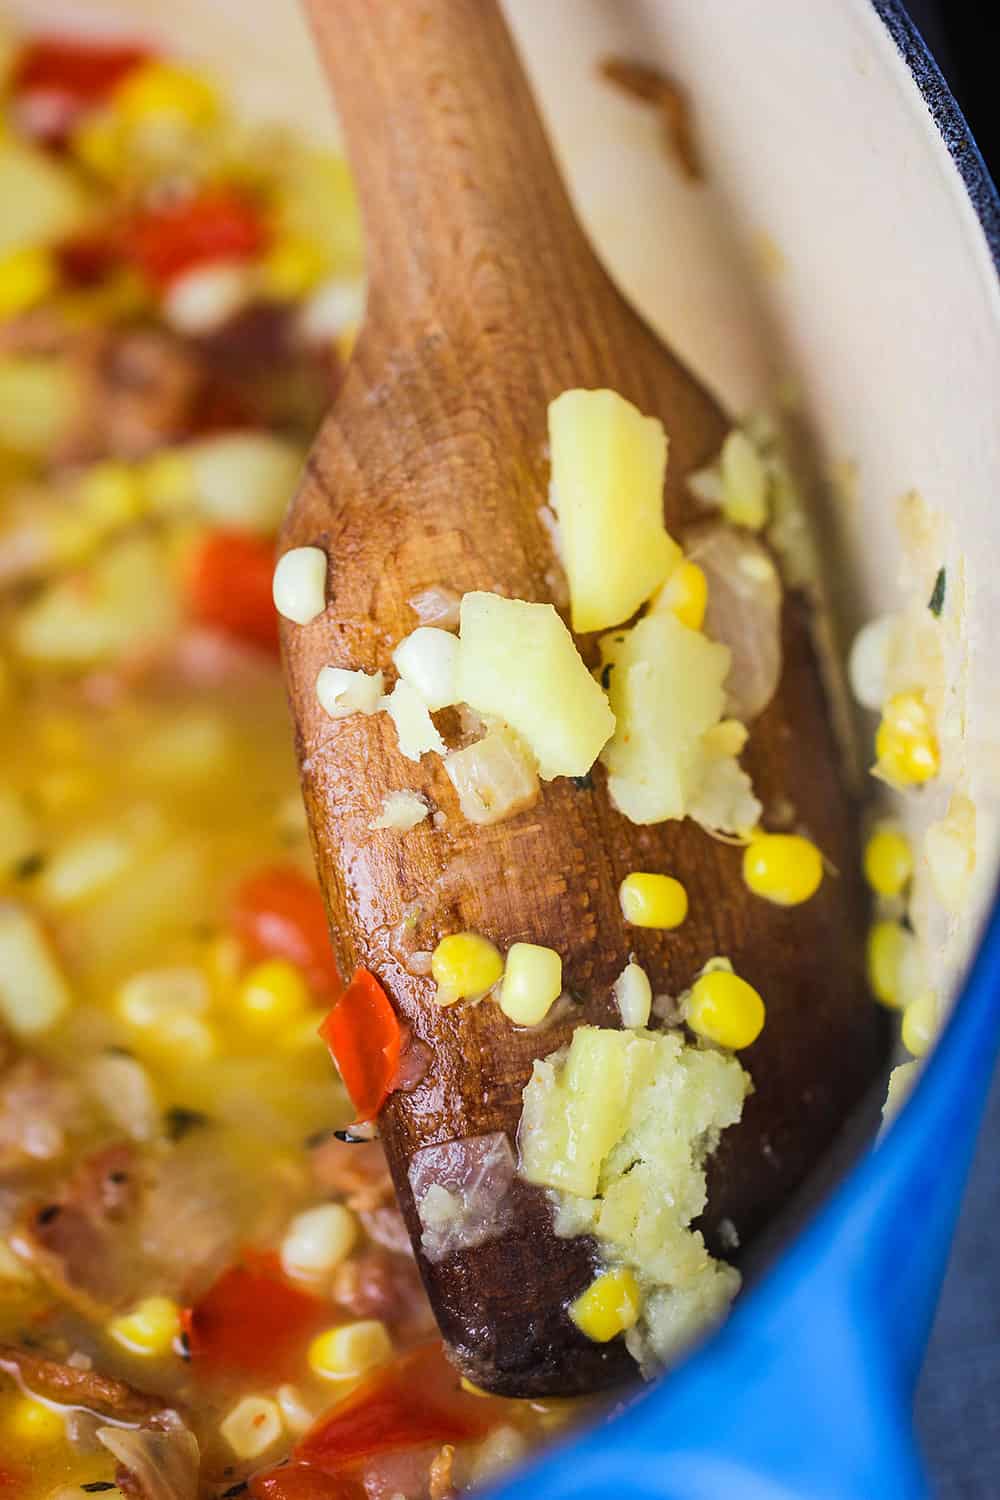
(350, 1349)
(162, 91)
(609, 1306)
(98, 144)
(470, 1389)
(111, 494)
(725, 1009)
(273, 994)
(685, 594)
(291, 268)
(920, 1023)
(149, 1329)
(906, 746)
(317, 1240)
(888, 861)
(27, 277)
(464, 967)
(167, 481)
(782, 867)
(652, 900)
(32, 1421)
(252, 1426)
(532, 982)
(888, 946)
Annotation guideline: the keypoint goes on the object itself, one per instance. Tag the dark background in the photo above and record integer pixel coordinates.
(958, 1404)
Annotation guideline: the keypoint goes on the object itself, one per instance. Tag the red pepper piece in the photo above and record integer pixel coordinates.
(251, 1320)
(303, 1482)
(229, 587)
(364, 1035)
(213, 225)
(416, 1399)
(279, 913)
(83, 70)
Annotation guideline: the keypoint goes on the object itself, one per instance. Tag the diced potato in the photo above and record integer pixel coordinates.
(42, 202)
(40, 398)
(33, 991)
(518, 663)
(574, 1116)
(665, 685)
(495, 778)
(127, 601)
(608, 466)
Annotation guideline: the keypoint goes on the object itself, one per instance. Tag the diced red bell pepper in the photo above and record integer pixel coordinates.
(215, 224)
(9, 1483)
(252, 1320)
(279, 913)
(229, 587)
(416, 1399)
(303, 1482)
(364, 1035)
(84, 70)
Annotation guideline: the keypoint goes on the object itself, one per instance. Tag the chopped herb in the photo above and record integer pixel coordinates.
(48, 1213)
(606, 672)
(583, 783)
(98, 1486)
(234, 1489)
(180, 1121)
(30, 865)
(936, 602)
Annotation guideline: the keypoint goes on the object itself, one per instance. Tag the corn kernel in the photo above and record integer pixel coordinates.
(111, 494)
(470, 1389)
(165, 91)
(725, 1009)
(906, 746)
(273, 994)
(298, 1417)
(920, 1023)
(888, 861)
(893, 965)
(532, 983)
(291, 268)
(27, 277)
(633, 995)
(782, 867)
(350, 1350)
(252, 1426)
(149, 1329)
(685, 594)
(464, 967)
(32, 1421)
(609, 1306)
(167, 482)
(318, 1239)
(653, 900)
(98, 144)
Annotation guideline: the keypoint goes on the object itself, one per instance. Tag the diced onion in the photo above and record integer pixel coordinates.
(461, 1191)
(202, 300)
(633, 995)
(428, 660)
(495, 778)
(333, 308)
(437, 606)
(342, 693)
(400, 811)
(744, 482)
(744, 613)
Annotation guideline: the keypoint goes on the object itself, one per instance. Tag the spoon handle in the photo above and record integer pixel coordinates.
(460, 193)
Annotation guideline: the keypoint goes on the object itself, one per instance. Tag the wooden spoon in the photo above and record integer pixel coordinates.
(485, 302)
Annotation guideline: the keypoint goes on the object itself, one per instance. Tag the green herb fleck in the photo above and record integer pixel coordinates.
(936, 602)
(180, 1121)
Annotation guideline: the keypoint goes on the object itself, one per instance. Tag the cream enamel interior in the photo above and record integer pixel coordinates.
(835, 247)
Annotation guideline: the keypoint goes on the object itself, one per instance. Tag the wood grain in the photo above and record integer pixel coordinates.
(485, 303)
